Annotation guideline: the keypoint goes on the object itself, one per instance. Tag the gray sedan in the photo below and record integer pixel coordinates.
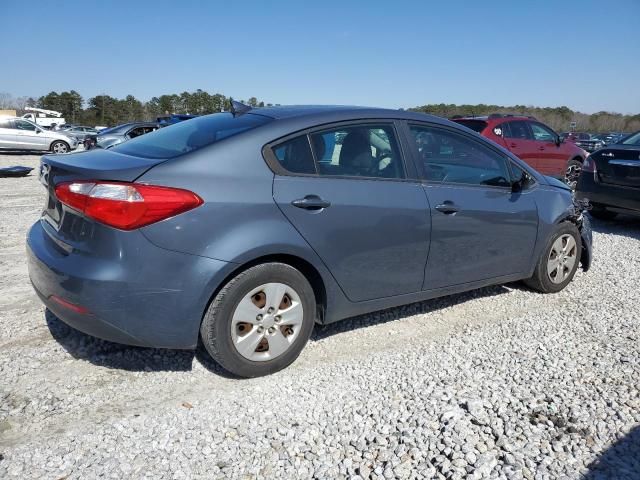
(113, 136)
(242, 230)
(80, 133)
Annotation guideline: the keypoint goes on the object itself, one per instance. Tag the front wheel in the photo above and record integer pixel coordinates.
(559, 260)
(574, 167)
(59, 147)
(260, 321)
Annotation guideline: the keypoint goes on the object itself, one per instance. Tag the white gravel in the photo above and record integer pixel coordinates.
(497, 383)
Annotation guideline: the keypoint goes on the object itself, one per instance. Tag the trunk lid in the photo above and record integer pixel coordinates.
(618, 165)
(92, 165)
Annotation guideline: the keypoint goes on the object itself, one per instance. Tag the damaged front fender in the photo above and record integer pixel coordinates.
(578, 217)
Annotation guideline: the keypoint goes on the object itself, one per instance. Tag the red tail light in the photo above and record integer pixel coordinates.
(126, 206)
(589, 165)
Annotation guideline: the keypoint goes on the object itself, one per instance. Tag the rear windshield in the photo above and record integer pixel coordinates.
(185, 137)
(632, 139)
(476, 125)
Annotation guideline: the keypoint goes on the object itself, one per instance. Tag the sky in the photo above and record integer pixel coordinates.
(398, 54)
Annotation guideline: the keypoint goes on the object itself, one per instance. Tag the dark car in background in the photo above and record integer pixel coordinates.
(170, 119)
(584, 140)
(245, 230)
(110, 137)
(532, 141)
(610, 179)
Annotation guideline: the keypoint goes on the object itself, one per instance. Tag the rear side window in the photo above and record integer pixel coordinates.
(185, 137)
(475, 125)
(358, 151)
(517, 129)
(295, 155)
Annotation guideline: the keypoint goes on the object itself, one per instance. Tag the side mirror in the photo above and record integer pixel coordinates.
(559, 140)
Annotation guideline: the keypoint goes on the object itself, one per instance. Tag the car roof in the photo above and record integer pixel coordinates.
(489, 118)
(321, 111)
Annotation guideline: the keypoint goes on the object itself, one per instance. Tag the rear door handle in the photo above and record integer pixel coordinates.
(311, 202)
(540, 148)
(514, 145)
(448, 208)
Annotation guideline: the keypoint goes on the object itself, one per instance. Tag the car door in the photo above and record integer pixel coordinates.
(519, 141)
(550, 159)
(480, 228)
(7, 134)
(29, 136)
(352, 202)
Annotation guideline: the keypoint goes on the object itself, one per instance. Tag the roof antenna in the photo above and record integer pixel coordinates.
(238, 108)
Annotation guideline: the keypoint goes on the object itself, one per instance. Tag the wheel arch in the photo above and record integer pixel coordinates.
(56, 141)
(310, 272)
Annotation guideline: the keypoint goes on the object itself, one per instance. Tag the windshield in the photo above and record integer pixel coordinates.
(632, 139)
(185, 137)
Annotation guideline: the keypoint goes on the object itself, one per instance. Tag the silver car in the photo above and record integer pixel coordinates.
(111, 137)
(21, 134)
(80, 133)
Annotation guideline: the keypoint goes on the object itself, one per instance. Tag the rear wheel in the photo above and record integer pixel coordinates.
(260, 321)
(59, 147)
(559, 260)
(574, 167)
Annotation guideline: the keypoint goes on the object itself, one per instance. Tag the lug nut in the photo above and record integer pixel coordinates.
(272, 330)
(259, 317)
(278, 318)
(260, 329)
(270, 310)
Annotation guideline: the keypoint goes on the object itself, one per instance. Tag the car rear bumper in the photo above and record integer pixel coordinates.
(618, 198)
(152, 297)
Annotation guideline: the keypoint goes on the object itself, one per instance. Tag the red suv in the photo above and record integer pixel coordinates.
(532, 141)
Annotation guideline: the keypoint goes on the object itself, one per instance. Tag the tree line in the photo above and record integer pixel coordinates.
(108, 111)
(559, 118)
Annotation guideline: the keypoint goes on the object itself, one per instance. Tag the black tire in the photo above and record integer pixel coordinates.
(60, 142)
(574, 167)
(602, 213)
(540, 280)
(215, 330)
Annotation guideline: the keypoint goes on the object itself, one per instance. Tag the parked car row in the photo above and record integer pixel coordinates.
(319, 213)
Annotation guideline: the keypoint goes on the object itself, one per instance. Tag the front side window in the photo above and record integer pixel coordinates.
(24, 125)
(518, 130)
(358, 151)
(450, 157)
(542, 133)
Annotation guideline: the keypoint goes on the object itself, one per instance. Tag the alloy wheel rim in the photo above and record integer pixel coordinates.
(60, 148)
(266, 322)
(562, 258)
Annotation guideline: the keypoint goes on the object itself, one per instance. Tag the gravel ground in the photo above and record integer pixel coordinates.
(497, 383)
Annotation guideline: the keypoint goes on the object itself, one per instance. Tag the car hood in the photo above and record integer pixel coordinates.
(554, 182)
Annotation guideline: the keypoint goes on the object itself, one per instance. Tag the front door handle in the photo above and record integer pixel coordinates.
(541, 148)
(448, 208)
(311, 202)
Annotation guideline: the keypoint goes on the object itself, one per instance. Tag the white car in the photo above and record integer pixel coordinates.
(20, 134)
